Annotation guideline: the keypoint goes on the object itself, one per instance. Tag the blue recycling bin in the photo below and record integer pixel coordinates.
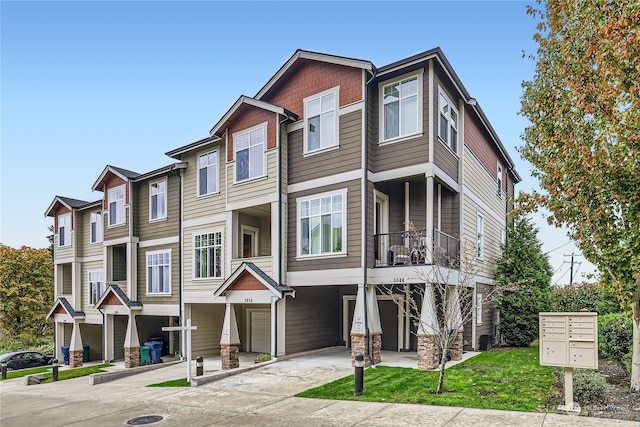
(155, 350)
(65, 354)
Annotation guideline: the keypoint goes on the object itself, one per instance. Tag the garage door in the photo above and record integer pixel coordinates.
(261, 331)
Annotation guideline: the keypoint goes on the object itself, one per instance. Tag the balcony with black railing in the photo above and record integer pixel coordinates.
(414, 247)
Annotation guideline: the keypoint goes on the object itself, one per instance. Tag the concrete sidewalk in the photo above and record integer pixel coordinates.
(263, 396)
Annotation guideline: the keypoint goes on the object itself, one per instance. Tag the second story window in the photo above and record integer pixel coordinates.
(64, 229)
(250, 155)
(321, 225)
(448, 122)
(400, 108)
(321, 121)
(158, 200)
(116, 205)
(499, 180)
(96, 286)
(96, 227)
(208, 173)
(159, 272)
(207, 257)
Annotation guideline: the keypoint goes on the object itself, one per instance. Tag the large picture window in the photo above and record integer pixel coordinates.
(116, 205)
(208, 173)
(249, 150)
(321, 225)
(159, 272)
(448, 123)
(321, 120)
(96, 227)
(96, 286)
(158, 200)
(400, 108)
(207, 257)
(64, 229)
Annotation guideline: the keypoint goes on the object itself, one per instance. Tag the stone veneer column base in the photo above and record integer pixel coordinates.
(358, 344)
(75, 358)
(229, 355)
(428, 354)
(131, 357)
(456, 349)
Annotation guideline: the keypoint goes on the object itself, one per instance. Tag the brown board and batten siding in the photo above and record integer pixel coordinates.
(347, 157)
(174, 297)
(353, 206)
(313, 318)
(144, 227)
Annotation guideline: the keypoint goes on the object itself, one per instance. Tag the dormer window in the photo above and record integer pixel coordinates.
(250, 153)
(116, 205)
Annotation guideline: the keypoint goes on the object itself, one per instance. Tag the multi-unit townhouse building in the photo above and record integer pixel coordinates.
(275, 233)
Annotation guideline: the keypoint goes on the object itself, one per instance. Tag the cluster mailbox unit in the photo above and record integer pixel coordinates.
(569, 340)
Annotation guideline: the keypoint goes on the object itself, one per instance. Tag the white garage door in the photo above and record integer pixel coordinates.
(261, 331)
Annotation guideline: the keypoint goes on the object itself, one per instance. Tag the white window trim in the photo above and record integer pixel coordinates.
(299, 201)
(99, 225)
(499, 182)
(66, 231)
(255, 233)
(480, 233)
(217, 173)
(166, 200)
(89, 287)
(419, 129)
(193, 250)
(478, 308)
(447, 144)
(264, 151)
(336, 110)
(124, 205)
(146, 285)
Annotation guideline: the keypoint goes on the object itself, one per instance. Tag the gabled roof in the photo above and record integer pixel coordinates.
(160, 171)
(114, 290)
(62, 304)
(193, 146)
(69, 203)
(315, 56)
(255, 271)
(245, 100)
(120, 172)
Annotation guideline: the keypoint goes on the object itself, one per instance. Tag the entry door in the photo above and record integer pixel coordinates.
(261, 331)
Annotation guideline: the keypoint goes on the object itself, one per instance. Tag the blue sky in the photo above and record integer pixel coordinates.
(86, 84)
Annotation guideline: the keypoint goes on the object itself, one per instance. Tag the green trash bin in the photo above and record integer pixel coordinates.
(144, 355)
(85, 353)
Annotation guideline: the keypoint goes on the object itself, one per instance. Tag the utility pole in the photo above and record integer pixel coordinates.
(572, 256)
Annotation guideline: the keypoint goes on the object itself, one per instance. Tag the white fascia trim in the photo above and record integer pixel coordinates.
(340, 178)
(160, 310)
(442, 175)
(205, 220)
(202, 297)
(159, 242)
(343, 276)
(486, 208)
(356, 106)
(120, 241)
(403, 172)
(64, 260)
(266, 199)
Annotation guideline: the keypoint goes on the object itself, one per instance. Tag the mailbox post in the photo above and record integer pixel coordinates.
(569, 340)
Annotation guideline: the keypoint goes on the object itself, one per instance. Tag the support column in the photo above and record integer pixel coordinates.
(131, 344)
(429, 220)
(456, 324)
(230, 340)
(358, 331)
(428, 331)
(75, 347)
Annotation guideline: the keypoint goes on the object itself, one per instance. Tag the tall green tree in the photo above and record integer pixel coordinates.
(583, 105)
(26, 289)
(524, 273)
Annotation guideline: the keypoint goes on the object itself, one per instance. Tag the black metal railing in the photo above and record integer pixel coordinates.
(413, 248)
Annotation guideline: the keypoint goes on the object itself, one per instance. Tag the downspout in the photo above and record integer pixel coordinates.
(179, 175)
(365, 202)
(280, 237)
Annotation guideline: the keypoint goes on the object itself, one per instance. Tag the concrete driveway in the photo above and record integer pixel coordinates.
(258, 397)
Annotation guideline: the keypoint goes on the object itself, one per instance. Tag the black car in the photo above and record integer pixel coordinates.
(25, 359)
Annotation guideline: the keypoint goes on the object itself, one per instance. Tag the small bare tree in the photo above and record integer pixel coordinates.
(444, 304)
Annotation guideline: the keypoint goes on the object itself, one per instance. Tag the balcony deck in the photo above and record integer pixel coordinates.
(415, 247)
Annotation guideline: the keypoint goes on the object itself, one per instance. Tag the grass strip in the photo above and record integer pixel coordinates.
(182, 382)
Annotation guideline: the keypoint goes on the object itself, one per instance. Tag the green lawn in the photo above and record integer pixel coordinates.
(510, 379)
(63, 374)
(182, 382)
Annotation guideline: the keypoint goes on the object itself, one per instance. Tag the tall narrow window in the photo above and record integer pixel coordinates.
(249, 147)
(96, 286)
(321, 225)
(159, 272)
(499, 178)
(208, 173)
(64, 229)
(478, 308)
(158, 200)
(96, 227)
(320, 119)
(207, 257)
(480, 241)
(448, 124)
(116, 205)
(400, 108)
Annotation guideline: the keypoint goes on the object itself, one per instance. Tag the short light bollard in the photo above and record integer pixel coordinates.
(358, 377)
(3, 368)
(199, 366)
(54, 372)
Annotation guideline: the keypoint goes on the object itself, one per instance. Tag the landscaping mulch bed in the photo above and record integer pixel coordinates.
(621, 402)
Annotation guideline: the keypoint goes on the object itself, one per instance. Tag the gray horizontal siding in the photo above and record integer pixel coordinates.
(313, 319)
(144, 228)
